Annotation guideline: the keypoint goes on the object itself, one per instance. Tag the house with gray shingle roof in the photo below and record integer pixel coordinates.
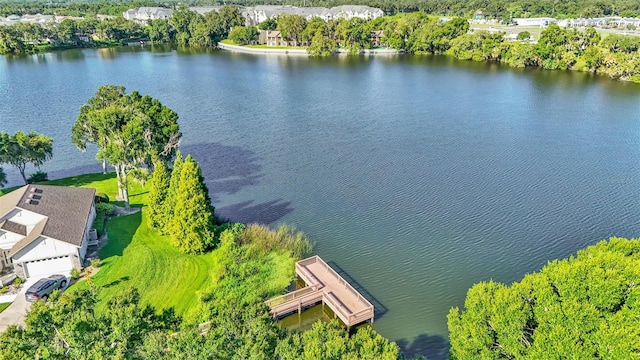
(45, 229)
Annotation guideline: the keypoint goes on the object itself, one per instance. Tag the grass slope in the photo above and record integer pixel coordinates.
(141, 258)
(138, 257)
(4, 306)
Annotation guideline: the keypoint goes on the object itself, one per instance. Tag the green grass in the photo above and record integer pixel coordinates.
(138, 257)
(4, 306)
(231, 42)
(105, 183)
(275, 47)
(98, 223)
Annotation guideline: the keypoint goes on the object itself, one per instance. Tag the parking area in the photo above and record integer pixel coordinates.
(17, 311)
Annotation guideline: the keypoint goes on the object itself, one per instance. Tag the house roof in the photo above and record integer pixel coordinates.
(67, 210)
(35, 233)
(13, 227)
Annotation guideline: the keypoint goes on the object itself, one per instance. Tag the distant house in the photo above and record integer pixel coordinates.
(376, 38)
(45, 229)
(142, 14)
(271, 38)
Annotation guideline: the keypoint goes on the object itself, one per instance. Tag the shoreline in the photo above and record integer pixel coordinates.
(301, 52)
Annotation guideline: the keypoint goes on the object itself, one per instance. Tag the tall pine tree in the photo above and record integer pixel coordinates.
(159, 186)
(170, 200)
(191, 226)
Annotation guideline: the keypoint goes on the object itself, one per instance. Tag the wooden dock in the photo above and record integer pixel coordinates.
(326, 286)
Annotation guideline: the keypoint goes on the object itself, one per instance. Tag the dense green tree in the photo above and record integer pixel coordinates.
(314, 26)
(10, 41)
(354, 34)
(67, 327)
(479, 46)
(160, 30)
(21, 149)
(127, 129)
(584, 307)
(291, 27)
(243, 34)
(434, 36)
(522, 55)
(65, 31)
(322, 45)
(231, 17)
(158, 189)
(269, 24)
(184, 21)
(170, 199)
(86, 131)
(191, 226)
(621, 43)
(331, 341)
(523, 36)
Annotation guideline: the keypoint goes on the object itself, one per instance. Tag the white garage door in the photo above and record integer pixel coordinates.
(48, 266)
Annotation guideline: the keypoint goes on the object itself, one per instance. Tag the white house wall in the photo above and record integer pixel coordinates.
(8, 239)
(85, 240)
(44, 247)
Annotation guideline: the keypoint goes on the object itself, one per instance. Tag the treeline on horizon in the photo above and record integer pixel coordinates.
(492, 9)
(616, 56)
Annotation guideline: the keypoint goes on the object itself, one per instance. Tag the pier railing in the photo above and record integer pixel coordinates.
(339, 278)
(326, 286)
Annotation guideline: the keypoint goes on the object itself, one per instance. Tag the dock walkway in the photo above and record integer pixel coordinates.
(326, 286)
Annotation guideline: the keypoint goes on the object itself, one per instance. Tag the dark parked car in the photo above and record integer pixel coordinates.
(44, 287)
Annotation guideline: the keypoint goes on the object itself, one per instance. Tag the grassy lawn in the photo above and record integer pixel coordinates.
(230, 42)
(4, 306)
(275, 47)
(138, 257)
(105, 183)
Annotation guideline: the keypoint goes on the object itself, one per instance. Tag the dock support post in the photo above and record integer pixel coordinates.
(372, 321)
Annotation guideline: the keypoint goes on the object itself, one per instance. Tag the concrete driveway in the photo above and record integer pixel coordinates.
(17, 311)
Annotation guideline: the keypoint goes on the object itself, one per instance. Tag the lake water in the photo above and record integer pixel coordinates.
(416, 176)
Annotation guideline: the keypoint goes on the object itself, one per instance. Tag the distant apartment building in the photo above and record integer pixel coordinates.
(147, 13)
(257, 14)
(601, 22)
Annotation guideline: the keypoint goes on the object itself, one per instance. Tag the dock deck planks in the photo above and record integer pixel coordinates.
(326, 285)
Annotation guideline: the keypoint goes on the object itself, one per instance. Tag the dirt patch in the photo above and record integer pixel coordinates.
(121, 210)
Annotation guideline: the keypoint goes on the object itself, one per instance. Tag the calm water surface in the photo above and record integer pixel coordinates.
(417, 177)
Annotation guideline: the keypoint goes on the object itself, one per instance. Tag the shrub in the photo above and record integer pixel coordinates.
(75, 273)
(38, 176)
(95, 263)
(4, 289)
(18, 281)
(101, 198)
(104, 208)
(285, 237)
